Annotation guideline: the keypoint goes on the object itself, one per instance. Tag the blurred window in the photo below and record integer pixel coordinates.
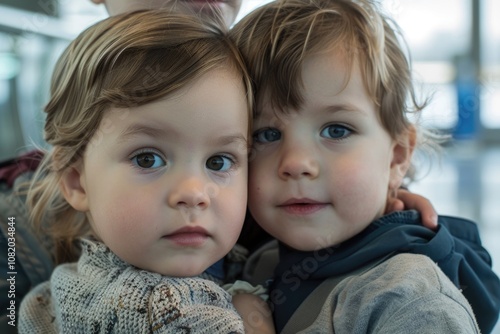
(436, 32)
(490, 75)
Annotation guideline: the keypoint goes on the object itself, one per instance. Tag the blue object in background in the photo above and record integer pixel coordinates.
(468, 96)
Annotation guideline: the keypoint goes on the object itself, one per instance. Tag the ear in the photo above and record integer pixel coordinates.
(401, 157)
(72, 187)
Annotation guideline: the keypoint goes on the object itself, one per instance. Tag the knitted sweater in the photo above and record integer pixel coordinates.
(103, 294)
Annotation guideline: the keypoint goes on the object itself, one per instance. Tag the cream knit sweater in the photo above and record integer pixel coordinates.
(102, 294)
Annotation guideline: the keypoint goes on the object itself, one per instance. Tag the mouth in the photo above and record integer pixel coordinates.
(302, 206)
(188, 236)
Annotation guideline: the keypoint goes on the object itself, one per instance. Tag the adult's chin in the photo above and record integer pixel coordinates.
(228, 8)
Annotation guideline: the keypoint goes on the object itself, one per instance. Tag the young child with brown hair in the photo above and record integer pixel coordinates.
(148, 120)
(333, 139)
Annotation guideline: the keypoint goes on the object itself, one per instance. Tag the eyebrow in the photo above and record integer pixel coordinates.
(231, 139)
(330, 109)
(136, 130)
(343, 107)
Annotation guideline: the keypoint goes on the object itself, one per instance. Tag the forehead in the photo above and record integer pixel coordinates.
(213, 105)
(328, 72)
(324, 75)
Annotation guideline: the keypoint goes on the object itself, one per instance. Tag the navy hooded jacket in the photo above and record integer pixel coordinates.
(455, 246)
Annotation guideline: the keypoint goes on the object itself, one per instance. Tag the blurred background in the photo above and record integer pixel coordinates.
(455, 48)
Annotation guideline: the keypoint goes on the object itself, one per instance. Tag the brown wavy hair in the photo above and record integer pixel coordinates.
(276, 38)
(123, 61)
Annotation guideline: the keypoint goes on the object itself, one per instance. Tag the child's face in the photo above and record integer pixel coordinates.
(321, 174)
(165, 184)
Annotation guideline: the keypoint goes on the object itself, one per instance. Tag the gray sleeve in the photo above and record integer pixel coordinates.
(406, 294)
(431, 315)
(433, 312)
(410, 294)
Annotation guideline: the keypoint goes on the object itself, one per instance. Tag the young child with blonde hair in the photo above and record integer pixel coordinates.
(148, 121)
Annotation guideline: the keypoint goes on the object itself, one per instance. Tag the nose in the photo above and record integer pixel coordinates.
(189, 193)
(298, 162)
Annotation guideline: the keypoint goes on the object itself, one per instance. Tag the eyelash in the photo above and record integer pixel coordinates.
(146, 151)
(338, 126)
(263, 131)
(131, 157)
(233, 161)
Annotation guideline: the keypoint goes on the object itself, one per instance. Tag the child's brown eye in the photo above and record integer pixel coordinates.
(219, 163)
(148, 160)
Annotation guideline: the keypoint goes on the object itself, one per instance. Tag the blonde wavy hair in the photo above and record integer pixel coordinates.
(124, 61)
(276, 38)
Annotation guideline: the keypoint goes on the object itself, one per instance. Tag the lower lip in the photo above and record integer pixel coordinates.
(303, 209)
(187, 239)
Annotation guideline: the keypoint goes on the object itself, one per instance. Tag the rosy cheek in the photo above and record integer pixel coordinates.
(254, 196)
(353, 183)
(258, 179)
(363, 191)
(127, 212)
(252, 180)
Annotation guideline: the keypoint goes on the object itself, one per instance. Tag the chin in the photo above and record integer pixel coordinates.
(309, 245)
(298, 245)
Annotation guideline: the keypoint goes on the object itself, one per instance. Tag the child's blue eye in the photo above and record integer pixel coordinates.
(266, 135)
(335, 131)
(148, 160)
(219, 163)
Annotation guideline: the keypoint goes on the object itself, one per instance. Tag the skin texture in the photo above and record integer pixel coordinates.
(228, 8)
(179, 162)
(321, 174)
